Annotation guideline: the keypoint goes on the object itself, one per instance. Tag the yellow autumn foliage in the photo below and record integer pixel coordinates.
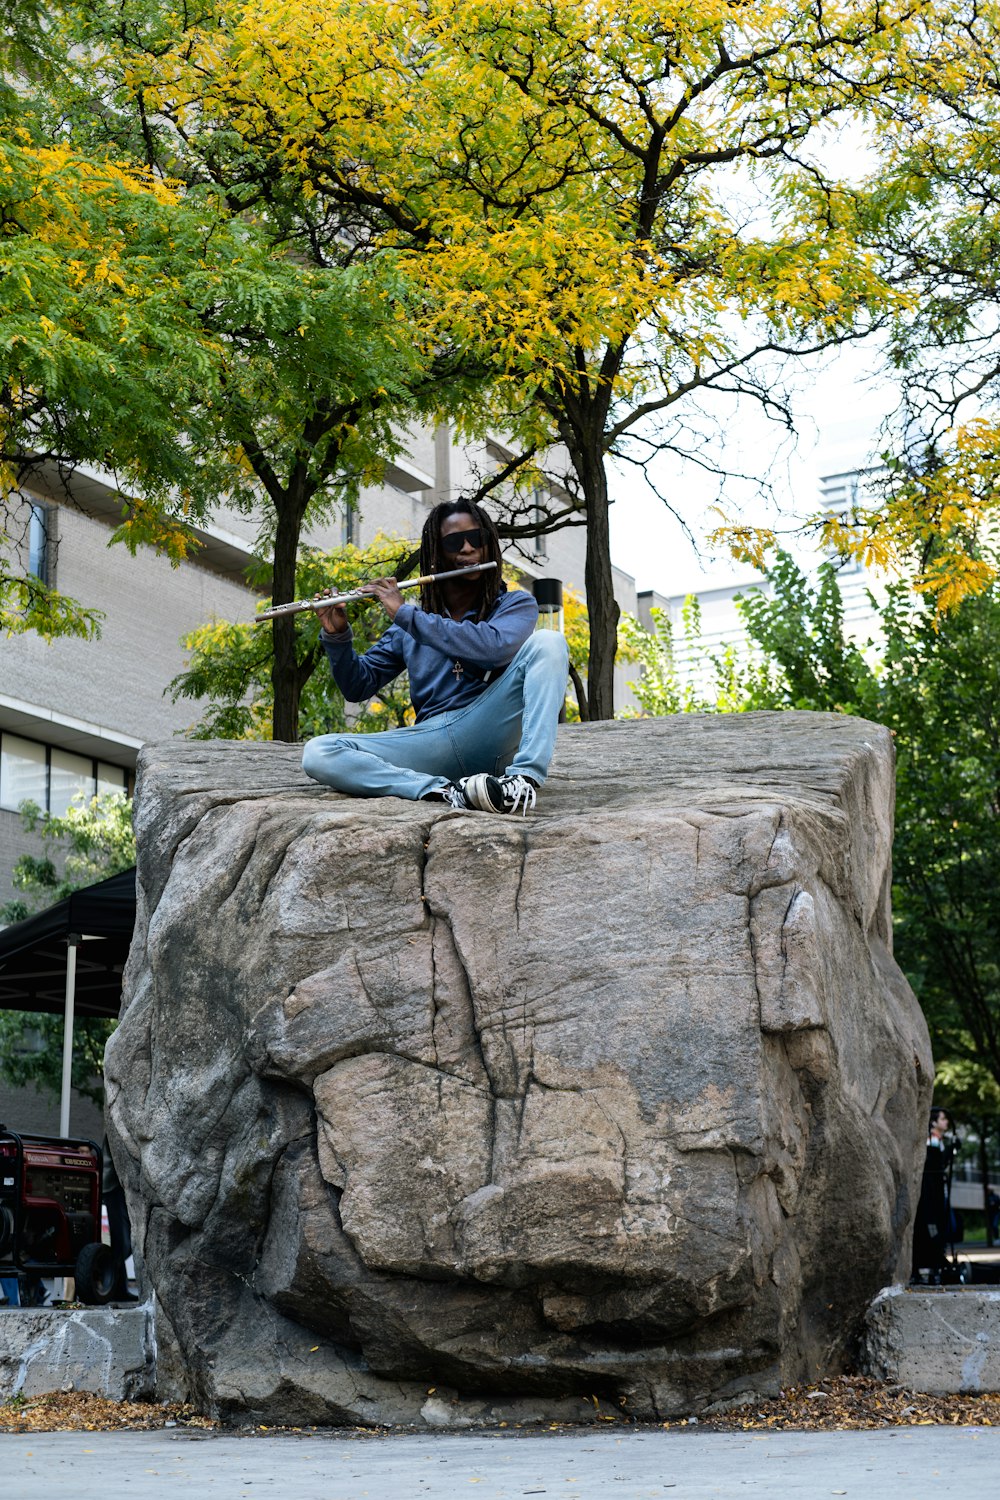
(606, 206)
(507, 145)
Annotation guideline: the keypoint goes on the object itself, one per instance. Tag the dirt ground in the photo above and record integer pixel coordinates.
(850, 1402)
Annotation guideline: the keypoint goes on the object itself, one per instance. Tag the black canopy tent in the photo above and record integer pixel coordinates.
(69, 959)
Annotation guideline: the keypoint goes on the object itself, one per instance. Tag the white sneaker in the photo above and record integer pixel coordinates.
(454, 796)
(498, 794)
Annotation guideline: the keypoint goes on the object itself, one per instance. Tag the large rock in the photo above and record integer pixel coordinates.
(623, 1101)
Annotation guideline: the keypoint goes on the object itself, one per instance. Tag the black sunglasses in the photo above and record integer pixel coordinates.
(456, 540)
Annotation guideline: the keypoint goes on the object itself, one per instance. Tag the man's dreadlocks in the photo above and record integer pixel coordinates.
(434, 560)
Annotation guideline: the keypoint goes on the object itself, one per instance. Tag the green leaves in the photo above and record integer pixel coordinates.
(212, 337)
(800, 629)
(90, 841)
(231, 663)
(31, 1053)
(937, 688)
(941, 694)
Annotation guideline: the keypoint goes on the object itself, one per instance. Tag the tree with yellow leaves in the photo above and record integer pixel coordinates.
(98, 347)
(205, 342)
(85, 329)
(611, 206)
(931, 213)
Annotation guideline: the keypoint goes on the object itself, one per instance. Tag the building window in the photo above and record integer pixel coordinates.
(68, 775)
(51, 776)
(111, 778)
(24, 772)
(39, 543)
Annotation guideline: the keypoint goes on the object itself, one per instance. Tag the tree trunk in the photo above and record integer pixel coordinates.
(581, 694)
(602, 607)
(285, 676)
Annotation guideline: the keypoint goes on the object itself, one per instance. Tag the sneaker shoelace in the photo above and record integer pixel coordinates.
(454, 796)
(518, 792)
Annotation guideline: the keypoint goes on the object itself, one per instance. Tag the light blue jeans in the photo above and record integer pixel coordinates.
(510, 729)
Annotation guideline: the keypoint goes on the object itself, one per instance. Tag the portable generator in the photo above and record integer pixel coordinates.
(50, 1212)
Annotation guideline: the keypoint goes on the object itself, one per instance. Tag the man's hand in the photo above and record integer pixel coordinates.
(334, 619)
(386, 591)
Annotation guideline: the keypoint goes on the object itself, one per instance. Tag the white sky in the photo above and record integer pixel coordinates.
(840, 409)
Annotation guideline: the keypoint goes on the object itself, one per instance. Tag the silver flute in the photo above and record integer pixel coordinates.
(356, 595)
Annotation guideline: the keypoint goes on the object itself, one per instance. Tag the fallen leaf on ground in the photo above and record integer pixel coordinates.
(853, 1402)
(79, 1411)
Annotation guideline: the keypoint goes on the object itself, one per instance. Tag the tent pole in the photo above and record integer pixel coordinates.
(67, 1063)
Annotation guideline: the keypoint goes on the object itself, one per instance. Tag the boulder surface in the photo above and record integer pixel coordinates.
(429, 1116)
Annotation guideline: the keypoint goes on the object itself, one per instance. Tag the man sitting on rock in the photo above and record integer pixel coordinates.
(486, 689)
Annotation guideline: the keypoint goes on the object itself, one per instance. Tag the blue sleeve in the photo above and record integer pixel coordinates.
(483, 643)
(358, 677)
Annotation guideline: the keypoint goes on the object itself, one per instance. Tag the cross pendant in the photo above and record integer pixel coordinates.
(458, 671)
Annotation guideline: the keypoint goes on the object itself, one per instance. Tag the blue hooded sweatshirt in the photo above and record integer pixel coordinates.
(450, 662)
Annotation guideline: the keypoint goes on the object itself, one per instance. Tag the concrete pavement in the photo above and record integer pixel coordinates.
(903, 1463)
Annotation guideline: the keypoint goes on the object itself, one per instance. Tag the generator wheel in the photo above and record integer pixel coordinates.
(96, 1274)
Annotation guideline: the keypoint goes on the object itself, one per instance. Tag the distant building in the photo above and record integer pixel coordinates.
(721, 622)
(840, 495)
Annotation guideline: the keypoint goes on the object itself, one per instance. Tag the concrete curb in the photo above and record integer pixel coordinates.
(944, 1342)
(940, 1341)
(109, 1351)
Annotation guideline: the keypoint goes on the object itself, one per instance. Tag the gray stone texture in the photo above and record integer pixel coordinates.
(622, 1101)
(109, 1351)
(942, 1341)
